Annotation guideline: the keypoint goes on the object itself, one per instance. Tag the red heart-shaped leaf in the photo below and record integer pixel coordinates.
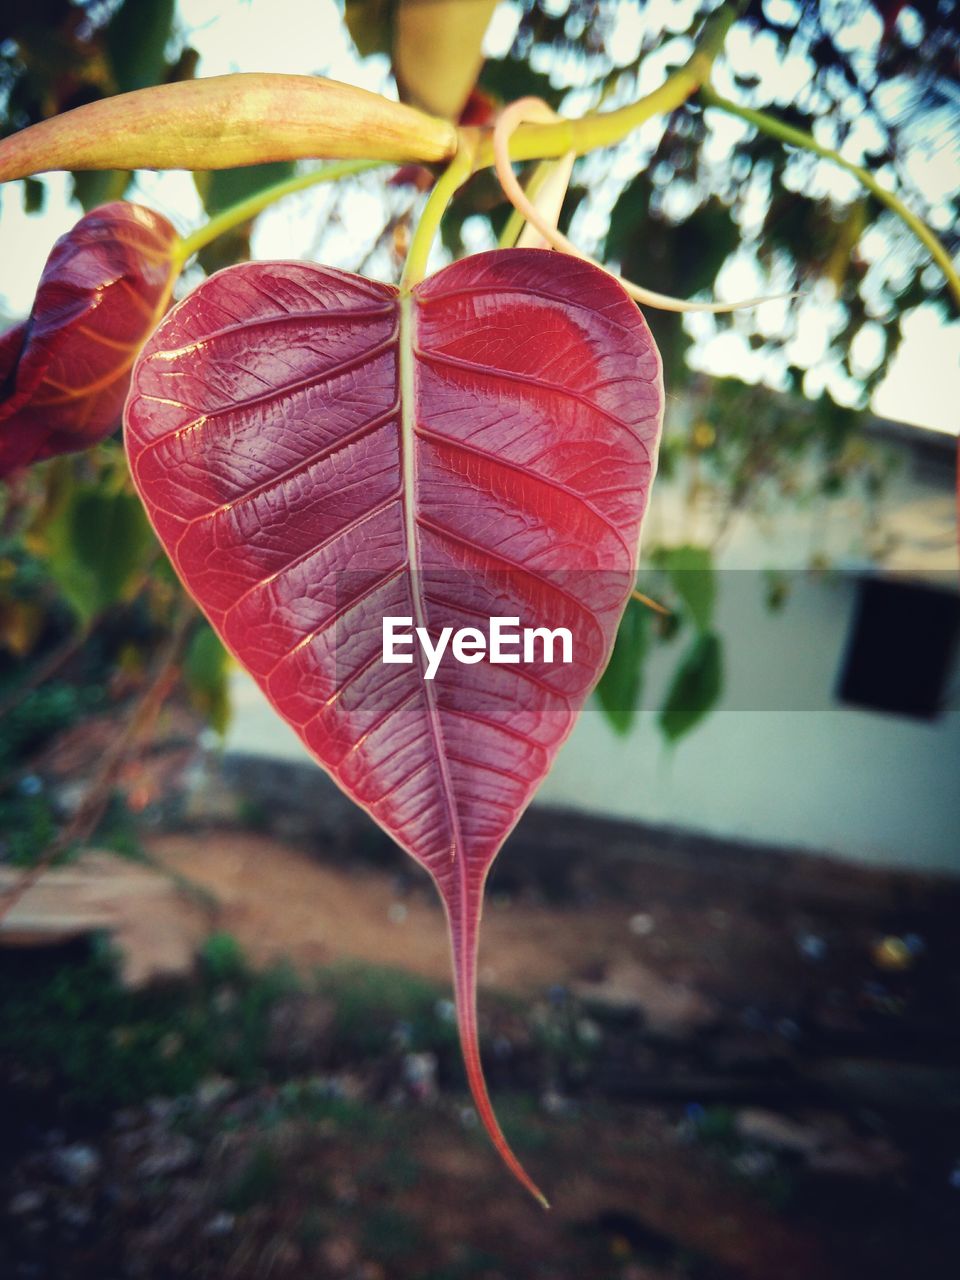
(64, 373)
(317, 452)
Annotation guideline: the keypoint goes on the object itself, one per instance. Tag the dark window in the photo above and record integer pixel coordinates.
(901, 649)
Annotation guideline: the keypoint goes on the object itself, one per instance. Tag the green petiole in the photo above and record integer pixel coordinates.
(244, 210)
(448, 184)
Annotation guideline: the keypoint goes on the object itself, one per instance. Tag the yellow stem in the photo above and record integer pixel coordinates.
(604, 129)
(448, 184)
(650, 603)
(515, 223)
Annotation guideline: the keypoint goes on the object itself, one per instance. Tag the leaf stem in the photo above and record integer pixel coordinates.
(604, 129)
(651, 603)
(516, 222)
(138, 725)
(450, 181)
(806, 142)
(536, 108)
(237, 214)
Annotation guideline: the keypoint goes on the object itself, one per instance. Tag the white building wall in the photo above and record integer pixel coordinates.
(803, 771)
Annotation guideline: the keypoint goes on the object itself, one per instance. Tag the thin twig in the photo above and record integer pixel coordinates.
(43, 670)
(534, 109)
(650, 603)
(139, 725)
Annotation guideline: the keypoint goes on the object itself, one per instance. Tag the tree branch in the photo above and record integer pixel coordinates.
(91, 810)
(797, 138)
(604, 129)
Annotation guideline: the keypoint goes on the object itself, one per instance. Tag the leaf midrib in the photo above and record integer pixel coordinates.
(406, 343)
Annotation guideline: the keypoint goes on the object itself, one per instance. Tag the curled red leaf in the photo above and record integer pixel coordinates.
(65, 371)
(318, 452)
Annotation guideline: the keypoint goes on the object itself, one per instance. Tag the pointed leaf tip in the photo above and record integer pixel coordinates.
(463, 946)
(318, 453)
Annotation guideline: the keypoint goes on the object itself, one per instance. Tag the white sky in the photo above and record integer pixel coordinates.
(307, 36)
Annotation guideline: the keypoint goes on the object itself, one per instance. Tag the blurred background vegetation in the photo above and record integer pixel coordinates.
(695, 205)
(94, 626)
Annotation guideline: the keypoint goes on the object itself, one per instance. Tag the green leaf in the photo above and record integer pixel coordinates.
(370, 23)
(684, 258)
(97, 548)
(620, 685)
(435, 47)
(221, 188)
(205, 670)
(776, 590)
(676, 259)
(509, 78)
(696, 687)
(136, 40)
(628, 219)
(690, 570)
(34, 195)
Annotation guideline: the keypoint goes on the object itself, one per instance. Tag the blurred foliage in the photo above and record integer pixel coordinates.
(681, 579)
(878, 81)
(375, 1006)
(77, 1029)
(29, 818)
(696, 687)
(690, 573)
(682, 260)
(69, 1024)
(621, 684)
(742, 450)
(435, 49)
(675, 206)
(205, 671)
(86, 603)
(96, 546)
(757, 451)
(258, 1180)
(57, 54)
(30, 824)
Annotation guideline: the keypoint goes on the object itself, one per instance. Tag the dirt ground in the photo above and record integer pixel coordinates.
(720, 1063)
